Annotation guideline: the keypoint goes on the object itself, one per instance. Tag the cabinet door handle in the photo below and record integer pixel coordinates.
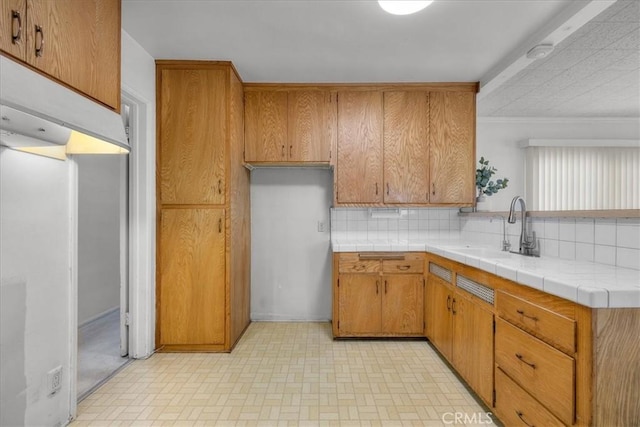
(376, 188)
(282, 152)
(377, 286)
(220, 225)
(220, 186)
(403, 267)
(385, 287)
(521, 358)
(387, 188)
(16, 36)
(40, 47)
(290, 152)
(433, 189)
(521, 416)
(448, 302)
(522, 313)
(453, 306)
(358, 267)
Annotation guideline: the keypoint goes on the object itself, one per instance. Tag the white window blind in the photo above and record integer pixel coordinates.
(582, 178)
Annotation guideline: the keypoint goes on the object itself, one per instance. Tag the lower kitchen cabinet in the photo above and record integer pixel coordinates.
(370, 303)
(460, 326)
(192, 278)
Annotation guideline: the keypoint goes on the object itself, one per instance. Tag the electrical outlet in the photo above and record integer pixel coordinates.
(321, 226)
(54, 380)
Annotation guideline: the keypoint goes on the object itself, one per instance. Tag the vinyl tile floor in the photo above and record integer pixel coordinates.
(287, 374)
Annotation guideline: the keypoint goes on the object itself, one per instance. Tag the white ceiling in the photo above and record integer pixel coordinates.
(595, 72)
(355, 41)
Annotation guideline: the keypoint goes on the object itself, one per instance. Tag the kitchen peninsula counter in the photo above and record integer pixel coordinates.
(586, 283)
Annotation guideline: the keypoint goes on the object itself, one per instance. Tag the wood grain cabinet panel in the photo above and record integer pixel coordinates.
(309, 119)
(452, 147)
(472, 352)
(546, 373)
(266, 126)
(360, 304)
(192, 248)
(438, 317)
(406, 147)
(192, 136)
(76, 43)
(402, 310)
(518, 408)
(359, 173)
(13, 22)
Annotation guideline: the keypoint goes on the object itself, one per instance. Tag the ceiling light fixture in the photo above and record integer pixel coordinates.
(540, 51)
(402, 7)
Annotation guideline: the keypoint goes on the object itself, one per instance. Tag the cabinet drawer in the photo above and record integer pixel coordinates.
(551, 327)
(412, 263)
(546, 373)
(516, 407)
(351, 263)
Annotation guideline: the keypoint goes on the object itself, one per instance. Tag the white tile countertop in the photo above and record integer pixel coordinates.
(587, 283)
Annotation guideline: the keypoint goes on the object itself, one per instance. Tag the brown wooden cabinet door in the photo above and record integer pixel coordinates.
(438, 303)
(13, 22)
(360, 304)
(406, 147)
(452, 146)
(473, 345)
(402, 309)
(192, 276)
(265, 126)
(309, 122)
(359, 160)
(80, 45)
(192, 136)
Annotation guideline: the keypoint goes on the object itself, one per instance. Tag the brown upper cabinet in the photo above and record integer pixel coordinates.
(359, 174)
(192, 135)
(288, 125)
(74, 42)
(404, 146)
(452, 117)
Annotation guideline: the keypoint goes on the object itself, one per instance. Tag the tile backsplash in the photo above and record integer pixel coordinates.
(602, 240)
(358, 224)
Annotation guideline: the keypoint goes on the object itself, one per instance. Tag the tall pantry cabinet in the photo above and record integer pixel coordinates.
(203, 209)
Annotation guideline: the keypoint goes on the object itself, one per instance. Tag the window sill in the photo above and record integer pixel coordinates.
(622, 213)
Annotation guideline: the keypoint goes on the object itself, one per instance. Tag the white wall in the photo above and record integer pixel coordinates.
(98, 234)
(290, 259)
(139, 86)
(497, 140)
(35, 283)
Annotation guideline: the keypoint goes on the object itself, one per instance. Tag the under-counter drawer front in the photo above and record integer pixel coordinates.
(351, 263)
(412, 263)
(516, 407)
(551, 327)
(546, 373)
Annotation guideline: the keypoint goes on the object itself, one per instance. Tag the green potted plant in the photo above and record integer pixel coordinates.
(485, 185)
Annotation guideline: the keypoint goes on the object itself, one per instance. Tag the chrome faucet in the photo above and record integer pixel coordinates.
(528, 244)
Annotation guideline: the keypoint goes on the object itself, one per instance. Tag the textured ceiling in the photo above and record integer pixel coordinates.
(339, 40)
(595, 72)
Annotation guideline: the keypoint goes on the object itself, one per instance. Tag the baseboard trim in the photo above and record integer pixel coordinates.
(98, 316)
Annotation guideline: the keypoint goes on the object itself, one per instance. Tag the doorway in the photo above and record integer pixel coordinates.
(103, 270)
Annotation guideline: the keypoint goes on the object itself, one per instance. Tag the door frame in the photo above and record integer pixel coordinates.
(142, 240)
